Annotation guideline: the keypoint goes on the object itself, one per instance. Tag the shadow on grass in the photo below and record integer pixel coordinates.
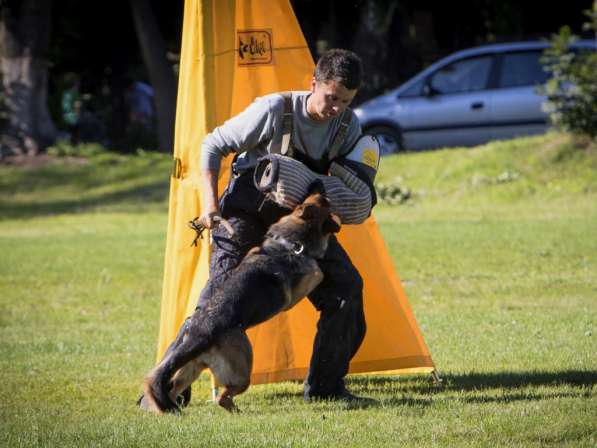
(500, 387)
(516, 396)
(515, 380)
(480, 381)
(363, 403)
(66, 187)
(156, 192)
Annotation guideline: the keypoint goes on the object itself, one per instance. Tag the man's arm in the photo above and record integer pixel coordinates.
(242, 132)
(209, 205)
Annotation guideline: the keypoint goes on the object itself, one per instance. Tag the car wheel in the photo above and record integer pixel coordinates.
(389, 138)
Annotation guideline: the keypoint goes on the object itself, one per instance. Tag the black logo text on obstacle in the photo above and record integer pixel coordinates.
(255, 47)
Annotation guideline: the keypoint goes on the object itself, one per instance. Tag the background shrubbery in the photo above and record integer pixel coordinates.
(572, 91)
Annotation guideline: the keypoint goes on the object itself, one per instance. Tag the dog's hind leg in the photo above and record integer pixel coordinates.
(179, 388)
(158, 383)
(231, 360)
(226, 396)
(143, 402)
(154, 399)
(184, 377)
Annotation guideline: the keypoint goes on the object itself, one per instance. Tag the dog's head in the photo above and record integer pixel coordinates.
(310, 224)
(316, 212)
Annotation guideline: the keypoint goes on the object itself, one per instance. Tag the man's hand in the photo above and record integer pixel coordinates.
(210, 218)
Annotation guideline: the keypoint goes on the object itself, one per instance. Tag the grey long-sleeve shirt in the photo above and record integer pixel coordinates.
(257, 131)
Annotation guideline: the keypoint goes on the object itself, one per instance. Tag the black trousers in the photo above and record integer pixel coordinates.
(338, 298)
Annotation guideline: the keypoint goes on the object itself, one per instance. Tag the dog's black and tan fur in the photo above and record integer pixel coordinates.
(270, 279)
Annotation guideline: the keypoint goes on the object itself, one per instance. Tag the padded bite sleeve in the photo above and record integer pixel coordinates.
(286, 181)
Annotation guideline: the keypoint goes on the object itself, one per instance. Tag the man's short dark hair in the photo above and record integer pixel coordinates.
(343, 66)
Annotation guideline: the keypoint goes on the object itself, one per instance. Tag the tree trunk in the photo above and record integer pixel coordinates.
(161, 75)
(371, 43)
(24, 41)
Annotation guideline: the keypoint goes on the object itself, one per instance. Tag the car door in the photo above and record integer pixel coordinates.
(516, 104)
(454, 107)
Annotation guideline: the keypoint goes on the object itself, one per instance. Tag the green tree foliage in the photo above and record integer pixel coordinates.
(572, 90)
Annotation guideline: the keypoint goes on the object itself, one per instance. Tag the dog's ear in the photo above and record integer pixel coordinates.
(316, 187)
(331, 224)
(307, 211)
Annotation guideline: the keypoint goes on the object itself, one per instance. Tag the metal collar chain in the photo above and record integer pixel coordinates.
(294, 247)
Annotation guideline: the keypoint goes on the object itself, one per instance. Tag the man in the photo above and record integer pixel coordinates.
(71, 103)
(317, 117)
(140, 101)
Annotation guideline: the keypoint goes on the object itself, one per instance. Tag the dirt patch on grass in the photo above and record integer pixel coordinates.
(584, 143)
(562, 147)
(553, 145)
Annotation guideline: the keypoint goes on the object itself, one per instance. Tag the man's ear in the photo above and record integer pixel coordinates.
(331, 224)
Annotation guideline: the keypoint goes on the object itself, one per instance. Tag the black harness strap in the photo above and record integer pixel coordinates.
(287, 149)
(340, 136)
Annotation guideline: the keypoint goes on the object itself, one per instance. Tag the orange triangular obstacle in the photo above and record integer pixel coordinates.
(218, 79)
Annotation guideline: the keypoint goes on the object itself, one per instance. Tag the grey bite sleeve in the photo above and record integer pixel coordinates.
(240, 133)
(349, 196)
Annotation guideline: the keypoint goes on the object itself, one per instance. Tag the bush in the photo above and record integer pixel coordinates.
(572, 90)
(394, 193)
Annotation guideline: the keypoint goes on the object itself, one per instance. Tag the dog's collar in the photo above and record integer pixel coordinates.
(293, 246)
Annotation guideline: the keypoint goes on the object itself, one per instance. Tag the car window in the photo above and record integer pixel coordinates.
(522, 69)
(462, 76)
(415, 90)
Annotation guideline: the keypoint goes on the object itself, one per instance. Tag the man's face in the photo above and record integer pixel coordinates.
(328, 99)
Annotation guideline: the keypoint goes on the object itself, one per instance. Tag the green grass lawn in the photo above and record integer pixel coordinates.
(496, 249)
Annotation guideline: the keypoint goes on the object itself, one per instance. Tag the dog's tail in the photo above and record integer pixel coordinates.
(156, 392)
(158, 383)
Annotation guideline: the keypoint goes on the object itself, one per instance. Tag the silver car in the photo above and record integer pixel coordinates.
(468, 98)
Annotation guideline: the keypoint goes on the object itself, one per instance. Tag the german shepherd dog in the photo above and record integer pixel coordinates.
(271, 278)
